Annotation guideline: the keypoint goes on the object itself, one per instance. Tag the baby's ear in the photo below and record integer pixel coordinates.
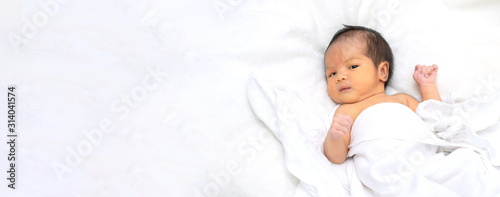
(383, 71)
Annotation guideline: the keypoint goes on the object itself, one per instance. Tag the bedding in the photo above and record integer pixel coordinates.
(393, 152)
(152, 97)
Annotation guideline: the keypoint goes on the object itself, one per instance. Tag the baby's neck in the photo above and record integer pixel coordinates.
(374, 96)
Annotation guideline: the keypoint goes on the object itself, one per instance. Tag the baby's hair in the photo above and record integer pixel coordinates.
(376, 47)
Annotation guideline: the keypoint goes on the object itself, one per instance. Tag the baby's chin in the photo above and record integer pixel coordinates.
(342, 101)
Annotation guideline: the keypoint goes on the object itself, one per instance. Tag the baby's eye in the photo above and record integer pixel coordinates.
(333, 74)
(353, 66)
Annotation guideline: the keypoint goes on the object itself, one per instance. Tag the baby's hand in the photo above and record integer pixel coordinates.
(425, 75)
(340, 126)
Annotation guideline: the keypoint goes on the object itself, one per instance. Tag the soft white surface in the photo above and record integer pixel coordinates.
(300, 124)
(395, 154)
(394, 151)
(196, 123)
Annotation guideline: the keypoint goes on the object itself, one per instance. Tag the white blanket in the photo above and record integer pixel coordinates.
(171, 77)
(300, 124)
(395, 152)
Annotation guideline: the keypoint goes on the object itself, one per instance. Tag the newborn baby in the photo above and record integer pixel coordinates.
(389, 142)
(358, 65)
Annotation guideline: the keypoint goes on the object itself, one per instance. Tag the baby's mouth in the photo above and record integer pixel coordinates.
(344, 89)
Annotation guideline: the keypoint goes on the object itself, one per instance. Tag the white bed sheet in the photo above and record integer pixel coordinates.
(169, 78)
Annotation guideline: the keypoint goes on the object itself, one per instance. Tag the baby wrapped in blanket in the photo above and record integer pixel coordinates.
(394, 152)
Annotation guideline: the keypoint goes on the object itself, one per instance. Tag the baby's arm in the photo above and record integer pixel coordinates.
(337, 140)
(425, 76)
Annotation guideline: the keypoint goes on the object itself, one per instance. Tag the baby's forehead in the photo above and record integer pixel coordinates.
(349, 46)
(349, 39)
(345, 50)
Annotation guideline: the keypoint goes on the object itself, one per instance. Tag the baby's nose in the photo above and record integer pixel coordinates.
(341, 76)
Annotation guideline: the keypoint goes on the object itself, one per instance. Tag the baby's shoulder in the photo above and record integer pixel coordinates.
(346, 108)
(352, 110)
(407, 100)
(401, 97)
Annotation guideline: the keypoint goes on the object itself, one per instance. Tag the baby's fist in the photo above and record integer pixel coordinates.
(425, 75)
(340, 126)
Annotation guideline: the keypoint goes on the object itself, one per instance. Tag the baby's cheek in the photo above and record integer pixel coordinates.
(332, 95)
(330, 91)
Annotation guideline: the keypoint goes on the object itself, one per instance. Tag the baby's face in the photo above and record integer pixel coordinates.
(351, 76)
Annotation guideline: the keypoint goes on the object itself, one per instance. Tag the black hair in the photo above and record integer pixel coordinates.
(376, 47)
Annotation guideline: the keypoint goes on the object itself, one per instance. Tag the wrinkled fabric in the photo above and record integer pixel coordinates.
(395, 152)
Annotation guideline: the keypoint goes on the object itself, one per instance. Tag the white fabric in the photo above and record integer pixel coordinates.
(300, 125)
(395, 153)
(171, 76)
(392, 123)
(470, 123)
